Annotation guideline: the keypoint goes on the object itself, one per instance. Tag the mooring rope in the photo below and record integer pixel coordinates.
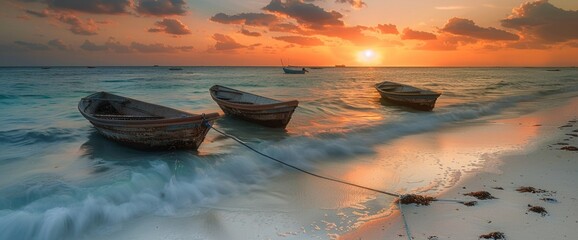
(407, 232)
(303, 170)
(399, 196)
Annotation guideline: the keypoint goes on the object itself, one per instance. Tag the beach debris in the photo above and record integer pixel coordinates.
(530, 190)
(549, 200)
(481, 195)
(498, 188)
(470, 203)
(537, 209)
(416, 199)
(493, 235)
(569, 148)
(432, 238)
(567, 125)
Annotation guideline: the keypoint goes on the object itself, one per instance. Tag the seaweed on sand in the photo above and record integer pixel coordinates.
(537, 209)
(482, 195)
(530, 190)
(417, 199)
(493, 235)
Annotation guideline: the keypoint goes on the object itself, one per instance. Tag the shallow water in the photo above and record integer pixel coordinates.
(61, 180)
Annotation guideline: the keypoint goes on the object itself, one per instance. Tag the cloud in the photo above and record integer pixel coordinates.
(465, 27)
(113, 45)
(58, 44)
(77, 26)
(303, 41)
(91, 6)
(171, 26)
(307, 14)
(90, 46)
(387, 29)
(354, 3)
(162, 7)
(32, 46)
(409, 34)
(249, 19)
(543, 22)
(153, 48)
(43, 14)
(226, 43)
(249, 33)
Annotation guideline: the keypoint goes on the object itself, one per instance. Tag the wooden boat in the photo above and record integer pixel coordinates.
(288, 70)
(144, 125)
(421, 99)
(254, 108)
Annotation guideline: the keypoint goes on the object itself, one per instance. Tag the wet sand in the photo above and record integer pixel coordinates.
(548, 167)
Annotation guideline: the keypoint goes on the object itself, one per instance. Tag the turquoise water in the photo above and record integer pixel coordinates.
(61, 180)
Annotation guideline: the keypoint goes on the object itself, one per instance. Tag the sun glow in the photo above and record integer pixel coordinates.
(368, 57)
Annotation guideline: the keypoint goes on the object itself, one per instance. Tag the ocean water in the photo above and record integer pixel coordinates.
(61, 180)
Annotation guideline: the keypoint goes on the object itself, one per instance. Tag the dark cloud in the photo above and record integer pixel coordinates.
(249, 19)
(116, 46)
(32, 46)
(77, 26)
(409, 34)
(153, 48)
(353, 3)
(171, 26)
(162, 7)
(543, 22)
(113, 45)
(307, 14)
(303, 41)
(58, 44)
(92, 6)
(43, 14)
(93, 47)
(286, 27)
(466, 27)
(249, 33)
(387, 29)
(226, 43)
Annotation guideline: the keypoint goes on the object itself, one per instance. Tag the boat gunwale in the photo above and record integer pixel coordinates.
(420, 91)
(255, 107)
(165, 121)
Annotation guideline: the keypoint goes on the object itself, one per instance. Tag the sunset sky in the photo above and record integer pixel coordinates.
(300, 32)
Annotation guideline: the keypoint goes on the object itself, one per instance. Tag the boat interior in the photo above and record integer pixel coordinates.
(238, 97)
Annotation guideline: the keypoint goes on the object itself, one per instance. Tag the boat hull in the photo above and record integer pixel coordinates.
(174, 136)
(401, 94)
(274, 118)
(423, 103)
(257, 109)
(183, 131)
(293, 71)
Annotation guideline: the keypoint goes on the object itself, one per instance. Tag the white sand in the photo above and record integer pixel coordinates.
(543, 165)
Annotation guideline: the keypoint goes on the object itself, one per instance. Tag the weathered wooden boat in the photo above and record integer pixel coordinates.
(144, 125)
(421, 99)
(294, 71)
(254, 108)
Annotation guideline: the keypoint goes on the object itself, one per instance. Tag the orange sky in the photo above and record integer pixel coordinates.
(301, 32)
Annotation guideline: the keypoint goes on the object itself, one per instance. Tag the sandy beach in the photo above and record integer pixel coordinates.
(547, 167)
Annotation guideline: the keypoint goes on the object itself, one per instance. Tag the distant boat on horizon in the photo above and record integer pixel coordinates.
(293, 70)
(155, 65)
(340, 65)
(90, 67)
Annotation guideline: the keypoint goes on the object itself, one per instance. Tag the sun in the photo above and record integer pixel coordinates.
(368, 57)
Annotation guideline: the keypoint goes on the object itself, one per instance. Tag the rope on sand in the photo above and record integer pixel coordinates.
(402, 199)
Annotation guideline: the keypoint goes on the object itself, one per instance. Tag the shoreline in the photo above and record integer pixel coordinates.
(545, 166)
